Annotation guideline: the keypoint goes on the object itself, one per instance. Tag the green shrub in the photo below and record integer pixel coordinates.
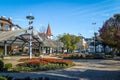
(26, 78)
(1, 64)
(99, 56)
(108, 56)
(26, 69)
(3, 78)
(89, 56)
(8, 65)
(2, 56)
(9, 77)
(49, 66)
(75, 56)
(1, 51)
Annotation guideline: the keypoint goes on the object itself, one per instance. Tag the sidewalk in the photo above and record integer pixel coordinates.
(116, 58)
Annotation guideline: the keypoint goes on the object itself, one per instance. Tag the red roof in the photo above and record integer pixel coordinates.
(49, 33)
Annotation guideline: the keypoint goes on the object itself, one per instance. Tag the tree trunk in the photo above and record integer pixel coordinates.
(62, 50)
(95, 48)
(67, 50)
(114, 52)
(104, 48)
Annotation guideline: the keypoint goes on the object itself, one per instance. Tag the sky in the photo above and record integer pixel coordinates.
(64, 16)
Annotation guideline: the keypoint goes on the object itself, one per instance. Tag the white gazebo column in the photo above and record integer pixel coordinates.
(5, 48)
(30, 46)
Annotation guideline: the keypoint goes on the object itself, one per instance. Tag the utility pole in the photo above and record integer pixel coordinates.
(94, 37)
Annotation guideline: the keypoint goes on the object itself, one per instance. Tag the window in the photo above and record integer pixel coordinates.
(6, 27)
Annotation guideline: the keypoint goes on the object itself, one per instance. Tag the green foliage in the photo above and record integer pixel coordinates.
(1, 51)
(89, 56)
(2, 56)
(1, 64)
(108, 56)
(3, 78)
(98, 56)
(50, 66)
(38, 54)
(83, 56)
(110, 31)
(26, 69)
(73, 56)
(70, 41)
(8, 65)
(26, 78)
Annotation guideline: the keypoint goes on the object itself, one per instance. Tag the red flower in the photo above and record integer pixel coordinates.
(43, 61)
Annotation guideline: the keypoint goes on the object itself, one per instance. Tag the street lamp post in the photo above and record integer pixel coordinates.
(30, 18)
(94, 37)
(81, 43)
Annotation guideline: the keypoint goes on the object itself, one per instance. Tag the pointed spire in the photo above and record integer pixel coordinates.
(49, 33)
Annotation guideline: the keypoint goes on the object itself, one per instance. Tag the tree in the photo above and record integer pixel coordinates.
(42, 29)
(74, 41)
(110, 31)
(70, 41)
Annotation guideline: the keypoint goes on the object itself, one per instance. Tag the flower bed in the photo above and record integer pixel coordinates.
(40, 64)
(72, 56)
(83, 56)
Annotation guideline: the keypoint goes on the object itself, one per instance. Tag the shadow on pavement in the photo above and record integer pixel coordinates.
(72, 75)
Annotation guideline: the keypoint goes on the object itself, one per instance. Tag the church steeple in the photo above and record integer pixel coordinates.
(49, 33)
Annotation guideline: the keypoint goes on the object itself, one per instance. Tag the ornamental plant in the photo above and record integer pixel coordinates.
(8, 65)
(3, 78)
(1, 64)
(72, 56)
(41, 64)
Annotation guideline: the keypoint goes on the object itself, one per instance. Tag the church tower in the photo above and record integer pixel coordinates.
(49, 33)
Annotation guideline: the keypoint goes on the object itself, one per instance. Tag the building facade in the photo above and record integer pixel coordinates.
(7, 25)
(99, 47)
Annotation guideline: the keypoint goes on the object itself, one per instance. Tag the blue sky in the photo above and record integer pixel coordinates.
(64, 16)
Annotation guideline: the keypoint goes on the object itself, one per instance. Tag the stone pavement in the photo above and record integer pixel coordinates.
(84, 70)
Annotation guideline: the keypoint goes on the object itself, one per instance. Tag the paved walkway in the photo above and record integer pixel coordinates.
(84, 70)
